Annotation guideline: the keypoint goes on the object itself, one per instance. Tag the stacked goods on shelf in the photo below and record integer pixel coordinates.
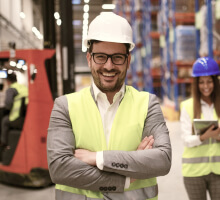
(204, 32)
(187, 6)
(185, 43)
(142, 17)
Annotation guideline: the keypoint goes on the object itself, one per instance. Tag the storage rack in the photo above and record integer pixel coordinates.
(165, 80)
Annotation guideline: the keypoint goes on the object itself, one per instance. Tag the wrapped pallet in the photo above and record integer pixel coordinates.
(185, 43)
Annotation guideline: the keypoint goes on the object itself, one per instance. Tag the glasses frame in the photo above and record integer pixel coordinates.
(109, 56)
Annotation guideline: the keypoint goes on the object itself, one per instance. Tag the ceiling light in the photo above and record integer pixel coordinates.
(24, 67)
(10, 71)
(86, 8)
(86, 1)
(86, 16)
(108, 6)
(19, 66)
(37, 33)
(57, 15)
(12, 63)
(22, 15)
(59, 22)
(85, 22)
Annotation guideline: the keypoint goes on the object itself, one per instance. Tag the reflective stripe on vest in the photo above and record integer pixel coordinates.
(203, 159)
(128, 123)
(133, 194)
(22, 92)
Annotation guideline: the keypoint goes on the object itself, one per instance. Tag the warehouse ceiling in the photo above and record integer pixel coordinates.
(95, 8)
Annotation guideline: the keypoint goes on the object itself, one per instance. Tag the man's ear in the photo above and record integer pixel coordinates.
(88, 57)
(129, 60)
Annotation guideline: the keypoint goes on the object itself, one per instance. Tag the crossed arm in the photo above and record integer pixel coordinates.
(73, 170)
(89, 157)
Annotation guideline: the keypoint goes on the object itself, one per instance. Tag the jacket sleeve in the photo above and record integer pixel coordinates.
(148, 163)
(64, 168)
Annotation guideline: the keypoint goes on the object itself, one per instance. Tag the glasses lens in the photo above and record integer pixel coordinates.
(118, 59)
(100, 58)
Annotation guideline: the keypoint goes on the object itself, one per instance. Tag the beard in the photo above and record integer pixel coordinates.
(107, 88)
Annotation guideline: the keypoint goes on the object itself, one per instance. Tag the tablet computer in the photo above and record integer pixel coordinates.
(200, 126)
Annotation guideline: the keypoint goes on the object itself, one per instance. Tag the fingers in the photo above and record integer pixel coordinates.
(150, 144)
(146, 143)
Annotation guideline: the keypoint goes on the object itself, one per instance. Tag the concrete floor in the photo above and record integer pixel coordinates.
(170, 186)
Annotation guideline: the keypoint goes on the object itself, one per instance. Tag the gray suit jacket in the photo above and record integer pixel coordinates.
(65, 169)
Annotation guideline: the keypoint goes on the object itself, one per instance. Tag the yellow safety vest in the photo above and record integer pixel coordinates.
(22, 92)
(127, 126)
(203, 159)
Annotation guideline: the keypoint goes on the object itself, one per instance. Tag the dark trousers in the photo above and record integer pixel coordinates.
(197, 187)
(6, 125)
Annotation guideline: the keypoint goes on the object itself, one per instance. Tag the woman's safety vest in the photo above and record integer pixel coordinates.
(22, 93)
(126, 132)
(203, 159)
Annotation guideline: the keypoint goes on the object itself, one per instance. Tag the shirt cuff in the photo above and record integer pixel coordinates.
(99, 160)
(127, 182)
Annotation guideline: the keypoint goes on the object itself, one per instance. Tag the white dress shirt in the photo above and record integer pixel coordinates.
(107, 112)
(190, 140)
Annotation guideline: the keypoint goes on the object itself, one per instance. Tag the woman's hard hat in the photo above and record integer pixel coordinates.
(205, 66)
(110, 27)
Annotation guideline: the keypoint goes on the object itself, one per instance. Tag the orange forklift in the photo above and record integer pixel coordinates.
(24, 163)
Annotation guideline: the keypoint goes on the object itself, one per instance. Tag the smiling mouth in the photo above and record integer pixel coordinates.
(109, 74)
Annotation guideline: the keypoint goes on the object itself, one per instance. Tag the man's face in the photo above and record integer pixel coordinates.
(108, 77)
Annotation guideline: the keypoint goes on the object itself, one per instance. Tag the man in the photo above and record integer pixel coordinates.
(15, 105)
(108, 141)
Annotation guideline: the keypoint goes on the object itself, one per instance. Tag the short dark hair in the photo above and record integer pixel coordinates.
(12, 77)
(91, 42)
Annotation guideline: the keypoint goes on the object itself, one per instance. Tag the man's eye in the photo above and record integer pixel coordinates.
(100, 57)
(118, 57)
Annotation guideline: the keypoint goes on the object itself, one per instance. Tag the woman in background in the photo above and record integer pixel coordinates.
(201, 156)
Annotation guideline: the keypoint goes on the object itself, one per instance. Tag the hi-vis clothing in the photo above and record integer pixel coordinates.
(22, 93)
(203, 159)
(76, 123)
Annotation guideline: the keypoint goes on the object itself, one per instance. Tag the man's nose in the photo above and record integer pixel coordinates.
(109, 64)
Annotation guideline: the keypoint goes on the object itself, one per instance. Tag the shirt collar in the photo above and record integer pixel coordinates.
(205, 104)
(97, 91)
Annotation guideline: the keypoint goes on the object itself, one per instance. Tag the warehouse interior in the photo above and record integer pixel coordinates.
(169, 36)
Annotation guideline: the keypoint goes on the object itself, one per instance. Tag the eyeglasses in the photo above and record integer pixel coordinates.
(102, 58)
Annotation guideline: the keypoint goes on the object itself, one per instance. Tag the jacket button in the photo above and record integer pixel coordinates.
(117, 165)
(105, 188)
(121, 165)
(113, 188)
(113, 164)
(126, 166)
(101, 188)
(109, 188)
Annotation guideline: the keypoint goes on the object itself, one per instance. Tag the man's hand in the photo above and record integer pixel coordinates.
(146, 143)
(86, 156)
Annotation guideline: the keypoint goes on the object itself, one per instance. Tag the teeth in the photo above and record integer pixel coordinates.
(108, 74)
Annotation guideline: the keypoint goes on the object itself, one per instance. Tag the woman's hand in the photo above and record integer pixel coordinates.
(211, 133)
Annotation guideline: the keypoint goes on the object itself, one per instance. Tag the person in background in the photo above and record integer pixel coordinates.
(16, 101)
(201, 156)
(108, 141)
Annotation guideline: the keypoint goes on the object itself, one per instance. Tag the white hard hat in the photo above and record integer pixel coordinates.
(110, 27)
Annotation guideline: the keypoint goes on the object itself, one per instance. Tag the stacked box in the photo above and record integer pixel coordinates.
(187, 5)
(185, 43)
